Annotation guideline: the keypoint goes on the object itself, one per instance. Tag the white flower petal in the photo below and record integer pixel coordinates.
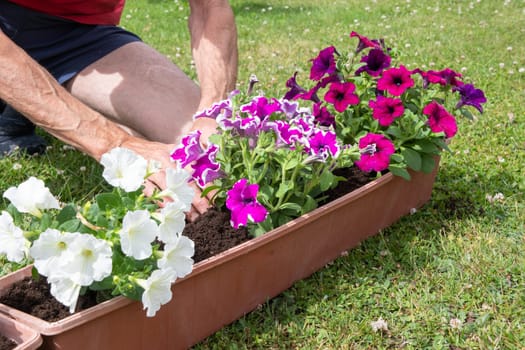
(12, 241)
(137, 233)
(124, 168)
(31, 196)
(89, 260)
(177, 187)
(157, 290)
(173, 220)
(178, 256)
(48, 250)
(65, 291)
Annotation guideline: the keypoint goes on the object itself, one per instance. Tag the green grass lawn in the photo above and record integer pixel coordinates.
(450, 276)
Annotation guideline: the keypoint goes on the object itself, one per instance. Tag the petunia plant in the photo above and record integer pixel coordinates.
(394, 117)
(270, 161)
(120, 243)
(273, 160)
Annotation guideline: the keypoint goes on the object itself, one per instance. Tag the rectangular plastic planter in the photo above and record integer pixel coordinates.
(24, 337)
(223, 288)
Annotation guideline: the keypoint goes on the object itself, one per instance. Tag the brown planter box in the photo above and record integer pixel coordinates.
(24, 337)
(225, 287)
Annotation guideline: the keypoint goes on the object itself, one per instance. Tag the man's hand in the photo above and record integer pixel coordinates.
(155, 151)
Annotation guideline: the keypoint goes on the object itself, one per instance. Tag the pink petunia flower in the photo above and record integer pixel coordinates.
(396, 81)
(386, 109)
(375, 150)
(341, 95)
(440, 120)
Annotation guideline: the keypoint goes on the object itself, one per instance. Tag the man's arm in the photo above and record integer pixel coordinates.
(31, 90)
(214, 48)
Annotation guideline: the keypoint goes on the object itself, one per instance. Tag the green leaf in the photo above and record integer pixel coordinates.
(466, 113)
(107, 201)
(67, 213)
(291, 163)
(45, 221)
(290, 206)
(70, 225)
(426, 146)
(395, 131)
(412, 158)
(284, 187)
(326, 179)
(399, 171)
(209, 189)
(309, 205)
(428, 164)
(105, 284)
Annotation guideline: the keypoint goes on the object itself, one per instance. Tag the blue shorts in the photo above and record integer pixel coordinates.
(62, 46)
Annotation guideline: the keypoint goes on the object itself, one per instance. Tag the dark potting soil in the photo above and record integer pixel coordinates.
(211, 232)
(6, 343)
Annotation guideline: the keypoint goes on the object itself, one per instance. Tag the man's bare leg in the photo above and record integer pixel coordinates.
(141, 89)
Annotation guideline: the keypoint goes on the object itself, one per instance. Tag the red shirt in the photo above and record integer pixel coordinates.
(82, 11)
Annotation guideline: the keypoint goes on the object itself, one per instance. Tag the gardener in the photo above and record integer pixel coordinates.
(106, 88)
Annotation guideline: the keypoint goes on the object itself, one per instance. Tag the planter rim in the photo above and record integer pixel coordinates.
(84, 316)
(22, 335)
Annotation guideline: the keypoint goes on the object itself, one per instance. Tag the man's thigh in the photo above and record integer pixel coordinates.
(139, 88)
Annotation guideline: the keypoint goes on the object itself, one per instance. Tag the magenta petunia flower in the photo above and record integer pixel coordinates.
(322, 115)
(376, 61)
(364, 42)
(189, 149)
(295, 89)
(443, 77)
(375, 150)
(323, 64)
(440, 120)
(323, 144)
(471, 96)
(206, 168)
(386, 109)
(311, 95)
(341, 95)
(241, 200)
(395, 80)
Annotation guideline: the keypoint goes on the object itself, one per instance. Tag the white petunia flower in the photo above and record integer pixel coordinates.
(12, 241)
(177, 256)
(157, 290)
(31, 196)
(137, 233)
(48, 250)
(124, 168)
(172, 221)
(88, 259)
(65, 291)
(177, 187)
